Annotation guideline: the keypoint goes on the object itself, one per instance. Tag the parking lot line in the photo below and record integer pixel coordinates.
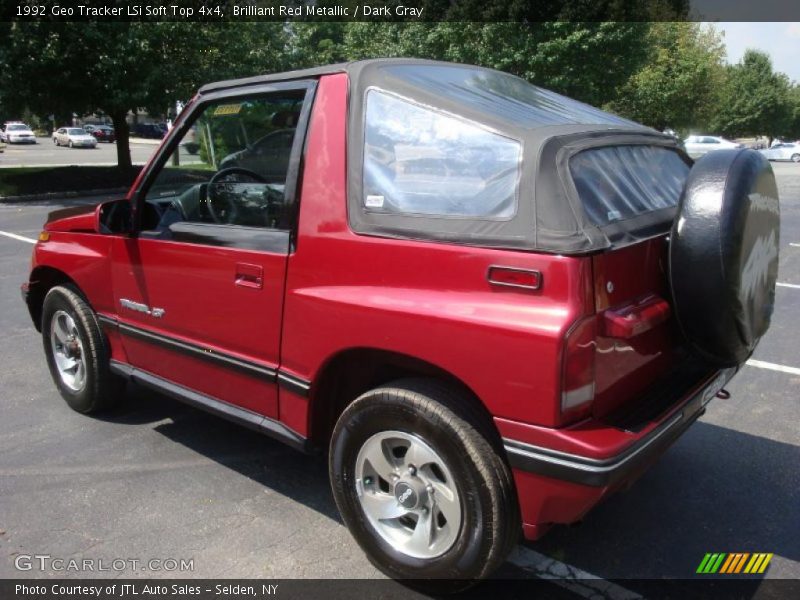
(773, 366)
(795, 245)
(788, 285)
(571, 578)
(21, 238)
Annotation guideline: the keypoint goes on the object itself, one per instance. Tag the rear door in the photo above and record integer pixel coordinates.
(199, 290)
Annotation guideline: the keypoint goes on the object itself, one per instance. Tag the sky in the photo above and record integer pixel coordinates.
(780, 40)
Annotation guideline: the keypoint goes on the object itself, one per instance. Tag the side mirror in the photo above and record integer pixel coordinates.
(114, 216)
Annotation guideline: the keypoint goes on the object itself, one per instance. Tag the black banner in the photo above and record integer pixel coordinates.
(350, 589)
(529, 11)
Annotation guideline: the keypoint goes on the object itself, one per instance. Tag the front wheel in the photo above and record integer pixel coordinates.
(795, 157)
(77, 352)
(420, 485)
(70, 144)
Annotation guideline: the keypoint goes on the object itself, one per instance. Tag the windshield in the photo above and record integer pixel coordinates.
(76, 131)
(18, 127)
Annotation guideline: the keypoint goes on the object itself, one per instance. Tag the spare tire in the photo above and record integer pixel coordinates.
(723, 255)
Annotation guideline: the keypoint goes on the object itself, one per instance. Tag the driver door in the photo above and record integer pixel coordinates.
(199, 288)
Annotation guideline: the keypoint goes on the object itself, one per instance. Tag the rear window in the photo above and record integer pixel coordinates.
(419, 161)
(617, 183)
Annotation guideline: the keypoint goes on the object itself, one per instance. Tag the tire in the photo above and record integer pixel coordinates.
(69, 143)
(723, 255)
(795, 158)
(77, 352)
(55, 141)
(474, 502)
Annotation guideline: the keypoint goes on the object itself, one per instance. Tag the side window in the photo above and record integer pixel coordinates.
(230, 167)
(418, 161)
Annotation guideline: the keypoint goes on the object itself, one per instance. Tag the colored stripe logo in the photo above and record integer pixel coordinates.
(734, 563)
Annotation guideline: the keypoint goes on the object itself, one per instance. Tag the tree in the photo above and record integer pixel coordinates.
(676, 86)
(61, 68)
(793, 125)
(588, 61)
(754, 100)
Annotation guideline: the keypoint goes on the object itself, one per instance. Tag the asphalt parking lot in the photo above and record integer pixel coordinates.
(45, 153)
(157, 479)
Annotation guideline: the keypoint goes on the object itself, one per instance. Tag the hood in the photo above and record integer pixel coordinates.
(76, 218)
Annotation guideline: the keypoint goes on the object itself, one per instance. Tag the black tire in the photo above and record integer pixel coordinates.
(795, 157)
(101, 388)
(448, 422)
(723, 255)
(69, 143)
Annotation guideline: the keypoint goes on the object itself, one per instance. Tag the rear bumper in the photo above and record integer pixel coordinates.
(557, 484)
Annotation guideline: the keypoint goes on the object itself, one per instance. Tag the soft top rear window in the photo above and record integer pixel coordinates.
(616, 183)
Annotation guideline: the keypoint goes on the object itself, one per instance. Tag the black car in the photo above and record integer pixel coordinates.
(148, 130)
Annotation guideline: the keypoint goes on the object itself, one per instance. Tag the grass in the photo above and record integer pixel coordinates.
(25, 181)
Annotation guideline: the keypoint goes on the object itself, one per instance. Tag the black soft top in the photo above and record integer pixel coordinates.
(550, 127)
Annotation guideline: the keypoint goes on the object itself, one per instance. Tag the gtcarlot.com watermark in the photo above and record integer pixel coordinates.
(46, 562)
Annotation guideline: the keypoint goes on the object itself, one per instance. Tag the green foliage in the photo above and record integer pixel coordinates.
(588, 61)
(61, 68)
(754, 100)
(676, 87)
(792, 130)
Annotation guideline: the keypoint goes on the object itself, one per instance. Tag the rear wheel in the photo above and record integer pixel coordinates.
(420, 485)
(77, 352)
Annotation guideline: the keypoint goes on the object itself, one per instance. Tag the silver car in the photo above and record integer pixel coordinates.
(17, 133)
(784, 151)
(74, 137)
(698, 145)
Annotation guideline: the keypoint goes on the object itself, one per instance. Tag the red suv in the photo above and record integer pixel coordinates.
(491, 304)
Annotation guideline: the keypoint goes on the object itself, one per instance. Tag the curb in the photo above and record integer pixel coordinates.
(57, 195)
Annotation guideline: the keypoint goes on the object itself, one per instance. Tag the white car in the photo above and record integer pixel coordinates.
(74, 137)
(698, 145)
(17, 133)
(784, 151)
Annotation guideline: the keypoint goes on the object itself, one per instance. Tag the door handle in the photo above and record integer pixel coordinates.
(251, 276)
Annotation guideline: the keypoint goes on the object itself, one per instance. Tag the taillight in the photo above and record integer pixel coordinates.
(577, 380)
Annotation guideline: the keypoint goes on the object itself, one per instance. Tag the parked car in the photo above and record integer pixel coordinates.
(17, 133)
(74, 137)
(102, 133)
(697, 145)
(148, 130)
(784, 151)
(485, 311)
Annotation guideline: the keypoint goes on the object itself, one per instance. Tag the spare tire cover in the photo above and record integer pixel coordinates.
(723, 254)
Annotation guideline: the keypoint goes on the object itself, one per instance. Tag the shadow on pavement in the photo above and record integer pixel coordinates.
(716, 490)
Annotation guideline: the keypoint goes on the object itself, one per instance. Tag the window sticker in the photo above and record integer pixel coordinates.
(227, 109)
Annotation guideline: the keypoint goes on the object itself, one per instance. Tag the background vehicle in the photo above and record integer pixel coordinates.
(783, 151)
(697, 145)
(74, 137)
(102, 133)
(148, 131)
(17, 133)
(486, 312)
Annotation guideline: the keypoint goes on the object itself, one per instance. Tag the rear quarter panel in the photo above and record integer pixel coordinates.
(422, 299)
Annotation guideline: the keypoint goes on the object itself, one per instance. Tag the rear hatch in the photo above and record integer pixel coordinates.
(641, 362)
